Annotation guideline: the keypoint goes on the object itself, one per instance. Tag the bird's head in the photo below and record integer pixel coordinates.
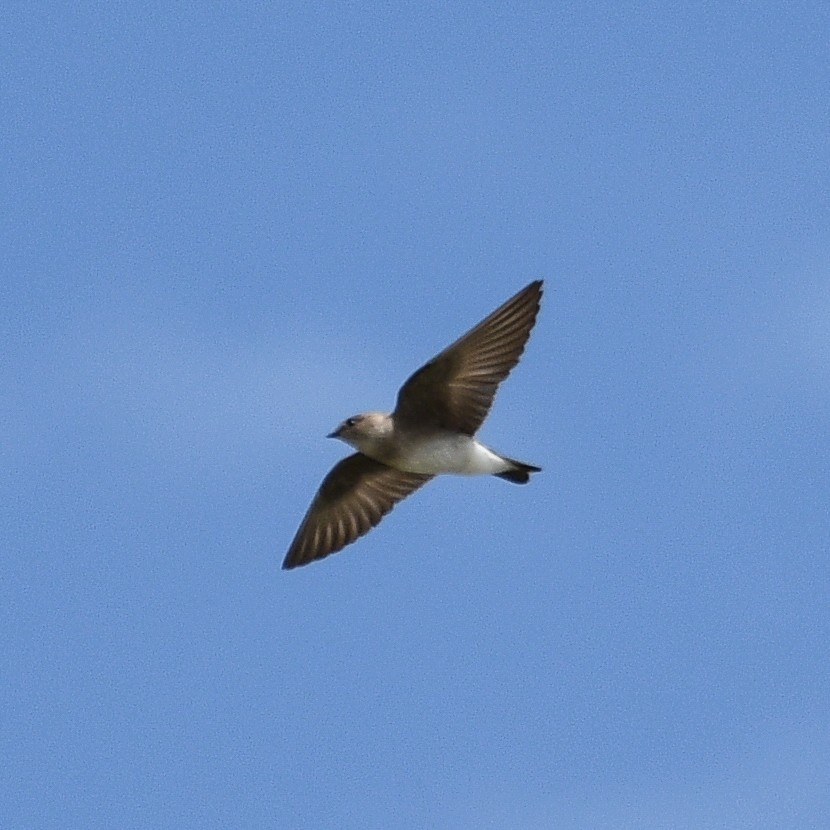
(363, 431)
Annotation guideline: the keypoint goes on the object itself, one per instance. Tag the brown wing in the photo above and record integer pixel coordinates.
(353, 498)
(455, 390)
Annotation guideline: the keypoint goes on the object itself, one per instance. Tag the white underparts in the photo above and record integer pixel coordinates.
(457, 454)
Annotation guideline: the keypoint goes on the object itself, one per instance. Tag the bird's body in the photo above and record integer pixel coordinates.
(449, 452)
(431, 432)
(432, 452)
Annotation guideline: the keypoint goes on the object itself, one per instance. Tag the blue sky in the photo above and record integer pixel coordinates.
(228, 227)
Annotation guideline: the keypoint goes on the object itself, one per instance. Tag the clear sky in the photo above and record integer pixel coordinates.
(226, 227)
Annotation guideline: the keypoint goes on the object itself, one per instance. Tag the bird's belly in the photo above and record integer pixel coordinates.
(457, 454)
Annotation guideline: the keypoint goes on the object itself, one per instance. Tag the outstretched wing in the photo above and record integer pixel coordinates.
(455, 390)
(353, 498)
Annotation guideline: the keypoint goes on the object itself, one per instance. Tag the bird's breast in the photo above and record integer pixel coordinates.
(446, 453)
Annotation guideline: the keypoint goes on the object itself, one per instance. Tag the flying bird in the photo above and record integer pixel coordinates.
(432, 431)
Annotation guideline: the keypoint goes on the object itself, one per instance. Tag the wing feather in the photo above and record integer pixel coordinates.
(353, 498)
(455, 389)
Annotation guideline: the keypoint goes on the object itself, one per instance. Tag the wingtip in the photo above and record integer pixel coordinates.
(534, 289)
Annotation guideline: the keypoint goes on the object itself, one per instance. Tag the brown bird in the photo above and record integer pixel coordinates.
(438, 412)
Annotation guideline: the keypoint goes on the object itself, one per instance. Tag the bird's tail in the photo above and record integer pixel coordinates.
(519, 472)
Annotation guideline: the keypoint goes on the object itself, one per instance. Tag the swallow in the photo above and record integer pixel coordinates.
(431, 432)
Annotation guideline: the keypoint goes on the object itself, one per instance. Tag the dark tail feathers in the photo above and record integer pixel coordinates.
(520, 474)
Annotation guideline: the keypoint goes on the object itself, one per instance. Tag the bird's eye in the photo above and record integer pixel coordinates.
(350, 422)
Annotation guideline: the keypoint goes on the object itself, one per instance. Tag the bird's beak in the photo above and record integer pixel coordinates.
(335, 434)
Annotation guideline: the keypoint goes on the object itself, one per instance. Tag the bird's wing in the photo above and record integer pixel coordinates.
(455, 390)
(353, 498)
